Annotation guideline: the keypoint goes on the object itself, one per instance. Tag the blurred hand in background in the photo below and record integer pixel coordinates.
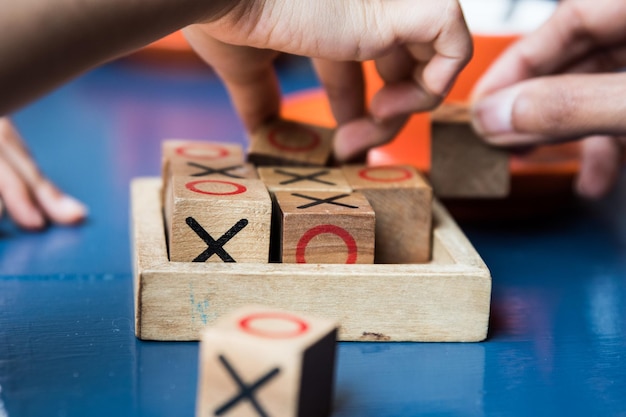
(562, 82)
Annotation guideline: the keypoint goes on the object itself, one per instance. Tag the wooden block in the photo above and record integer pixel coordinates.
(260, 361)
(402, 200)
(323, 227)
(180, 152)
(462, 164)
(202, 151)
(215, 170)
(444, 300)
(304, 179)
(210, 220)
(289, 143)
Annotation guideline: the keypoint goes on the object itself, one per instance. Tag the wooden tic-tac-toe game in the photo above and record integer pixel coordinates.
(369, 247)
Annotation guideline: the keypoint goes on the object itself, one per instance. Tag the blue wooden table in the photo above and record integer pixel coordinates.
(557, 343)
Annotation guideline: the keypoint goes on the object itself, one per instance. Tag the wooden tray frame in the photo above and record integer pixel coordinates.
(445, 300)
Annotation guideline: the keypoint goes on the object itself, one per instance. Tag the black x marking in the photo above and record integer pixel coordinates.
(210, 171)
(247, 391)
(318, 201)
(310, 177)
(215, 246)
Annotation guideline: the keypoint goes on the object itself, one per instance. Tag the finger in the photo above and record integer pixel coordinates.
(247, 73)
(354, 138)
(400, 95)
(344, 86)
(42, 194)
(601, 162)
(397, 65)
(435, 66)
(60, 208)
(550, 109)
(17, 199)
(573, 31)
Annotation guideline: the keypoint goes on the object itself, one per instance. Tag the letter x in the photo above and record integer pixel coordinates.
(318, 201)
(210, 171)
(246, 391)
(215, 246)
(310, 177)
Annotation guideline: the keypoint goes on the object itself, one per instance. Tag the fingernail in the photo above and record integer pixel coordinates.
(493, 115)
(72, 208)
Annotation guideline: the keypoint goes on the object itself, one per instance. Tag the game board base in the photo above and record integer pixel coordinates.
(445, 300)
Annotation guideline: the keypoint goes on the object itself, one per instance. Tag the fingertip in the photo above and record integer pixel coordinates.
(60, 208)
(399, 100)
(70, 211)
(352, 140)
(492, 116)
(591, 188)
(601, 160)
(344, 149)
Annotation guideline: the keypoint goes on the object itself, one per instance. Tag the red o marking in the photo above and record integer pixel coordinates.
(246, 325)
(191, 186)
(273, 139)
(405, 174)
(207, 151)
(326, 228)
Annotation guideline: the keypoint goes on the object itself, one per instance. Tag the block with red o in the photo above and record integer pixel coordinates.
(289, 143)
(208, 152)
(325, 227)
(218, 220)
(402, 199)
(261, 361)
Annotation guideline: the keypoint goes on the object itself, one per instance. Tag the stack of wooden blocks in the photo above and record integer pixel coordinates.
(220, 208)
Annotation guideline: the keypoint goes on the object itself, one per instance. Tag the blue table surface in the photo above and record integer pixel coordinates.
(557, 340)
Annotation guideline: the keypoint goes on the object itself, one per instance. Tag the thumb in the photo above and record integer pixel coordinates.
(552, 109)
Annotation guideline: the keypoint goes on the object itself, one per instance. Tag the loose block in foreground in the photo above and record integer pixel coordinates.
(446, 299)
(260, 361)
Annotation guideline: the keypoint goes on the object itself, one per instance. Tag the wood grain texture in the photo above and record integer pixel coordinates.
(289, 356)
(462, 164)
(325, 227)
(447, 299)
(402, 201)
(289, 143)
(304, 179)
(211, 220)
(202, 151)
(178, 157)
(213, 170)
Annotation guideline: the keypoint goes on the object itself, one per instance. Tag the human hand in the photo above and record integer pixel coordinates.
(419, 47)
(30, 198)
(559, 83)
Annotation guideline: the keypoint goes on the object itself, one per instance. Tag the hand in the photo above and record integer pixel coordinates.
(419, 46)
(559, 83)
(30, 198)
